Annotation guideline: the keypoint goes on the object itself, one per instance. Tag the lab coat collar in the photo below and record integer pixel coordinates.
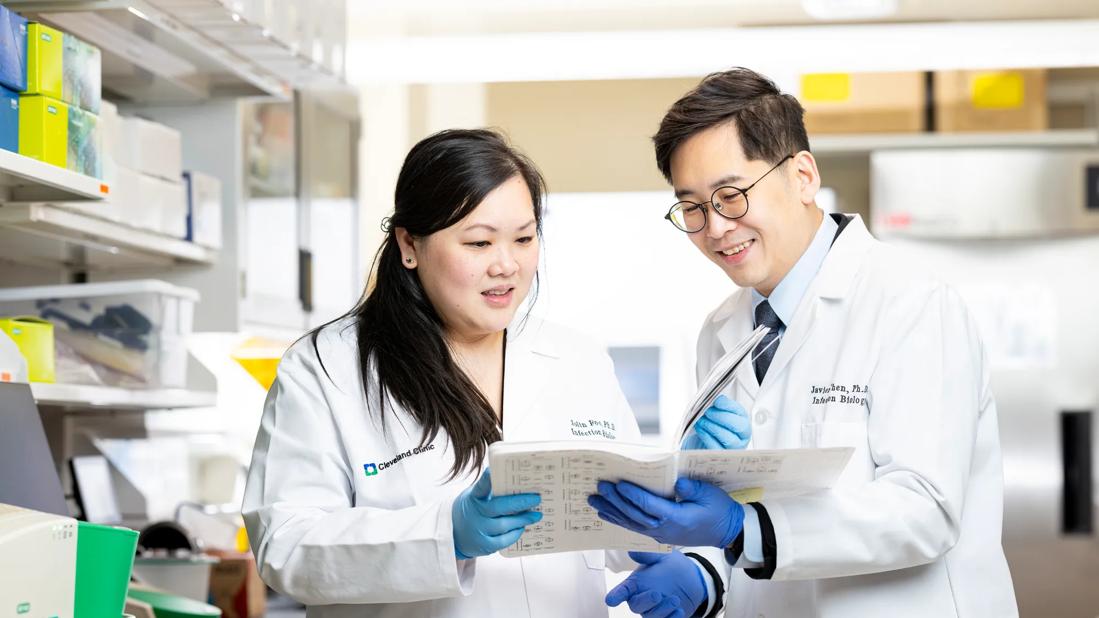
(844, 260)
(527, 334)
(833, 282)
(527, 362)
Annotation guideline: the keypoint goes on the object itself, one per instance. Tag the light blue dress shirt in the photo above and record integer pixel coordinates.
(784, 300)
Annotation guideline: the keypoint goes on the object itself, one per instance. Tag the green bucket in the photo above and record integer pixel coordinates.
(104, 558)
(171, 606)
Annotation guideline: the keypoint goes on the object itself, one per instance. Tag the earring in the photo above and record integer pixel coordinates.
(408, 260)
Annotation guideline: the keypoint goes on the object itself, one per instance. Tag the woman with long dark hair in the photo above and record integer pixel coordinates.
(366, 495)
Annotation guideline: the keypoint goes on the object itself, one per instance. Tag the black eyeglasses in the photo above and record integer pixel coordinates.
(729, 202)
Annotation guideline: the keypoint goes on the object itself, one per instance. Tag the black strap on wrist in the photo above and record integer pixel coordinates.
(719, 588)
(770, 547)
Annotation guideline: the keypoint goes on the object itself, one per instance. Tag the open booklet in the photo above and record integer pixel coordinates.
(565, 473)
(719, 377)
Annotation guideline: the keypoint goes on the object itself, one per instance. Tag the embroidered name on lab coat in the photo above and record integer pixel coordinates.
(593, 428)
(851, 394)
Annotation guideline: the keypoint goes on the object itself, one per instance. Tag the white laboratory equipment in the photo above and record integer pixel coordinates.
(37, 563)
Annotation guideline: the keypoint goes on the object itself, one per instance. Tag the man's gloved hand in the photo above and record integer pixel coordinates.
(665, 586)
(704, 514)
(484, 524)
(724, 425)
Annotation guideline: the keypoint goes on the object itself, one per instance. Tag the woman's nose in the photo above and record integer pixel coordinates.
(504, 264)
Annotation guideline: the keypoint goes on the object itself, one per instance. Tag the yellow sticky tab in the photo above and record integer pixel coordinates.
(825, 87)
(744, 496)
(997, 90)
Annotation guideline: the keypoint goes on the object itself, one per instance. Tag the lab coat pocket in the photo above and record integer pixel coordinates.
(860, 467)
(595, 559)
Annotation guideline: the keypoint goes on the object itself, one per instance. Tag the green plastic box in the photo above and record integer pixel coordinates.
(104, 558)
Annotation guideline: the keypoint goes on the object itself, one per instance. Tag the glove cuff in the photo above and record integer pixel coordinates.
(736, 525)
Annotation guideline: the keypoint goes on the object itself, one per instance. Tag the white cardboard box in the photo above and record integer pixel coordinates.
(166, 203)
(150, 148)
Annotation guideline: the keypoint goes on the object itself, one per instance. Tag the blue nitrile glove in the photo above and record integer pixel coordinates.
(724, 426)
(666, 586)
(704, 514)
(484, 524)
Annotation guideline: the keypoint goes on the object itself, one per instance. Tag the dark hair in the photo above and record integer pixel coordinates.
(769, 123)
(400, 335)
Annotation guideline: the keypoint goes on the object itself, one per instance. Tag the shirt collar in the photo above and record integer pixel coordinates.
(787, 294)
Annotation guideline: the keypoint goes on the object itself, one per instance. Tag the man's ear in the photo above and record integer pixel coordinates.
(808, 177)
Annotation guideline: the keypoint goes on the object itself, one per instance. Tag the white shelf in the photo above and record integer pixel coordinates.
(156, 51)
(77, 396)
(24, 179)
(45, 234)
(869, 142)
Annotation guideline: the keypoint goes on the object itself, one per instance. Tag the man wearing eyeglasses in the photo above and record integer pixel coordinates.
(864, 351)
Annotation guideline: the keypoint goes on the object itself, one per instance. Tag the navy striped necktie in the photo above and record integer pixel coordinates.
(764, 351)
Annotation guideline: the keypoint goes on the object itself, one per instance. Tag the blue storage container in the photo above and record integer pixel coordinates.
(13, 50)
(9, 119)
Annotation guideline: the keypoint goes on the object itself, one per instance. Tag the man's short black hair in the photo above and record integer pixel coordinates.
(769, 123)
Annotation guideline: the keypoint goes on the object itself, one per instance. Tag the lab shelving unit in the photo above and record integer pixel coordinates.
(84, 397)
(865, 143)
(197, 57)
(23, 179)
(192, 65)
(41, 234)
(178, 51)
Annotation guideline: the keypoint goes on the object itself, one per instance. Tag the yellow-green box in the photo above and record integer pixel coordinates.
(34, 338)
(44, 129)
(45, 61)
(63, 67)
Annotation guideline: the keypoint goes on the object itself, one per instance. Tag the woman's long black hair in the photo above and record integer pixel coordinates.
(400, 335)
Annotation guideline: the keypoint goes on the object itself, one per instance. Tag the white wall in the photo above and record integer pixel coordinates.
(614, 268)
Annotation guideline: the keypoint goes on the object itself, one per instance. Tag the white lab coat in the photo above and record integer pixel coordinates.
(329, 535)
(913, 527)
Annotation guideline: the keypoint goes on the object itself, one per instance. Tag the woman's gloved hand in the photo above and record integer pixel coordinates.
(484, 524)
(725, 425)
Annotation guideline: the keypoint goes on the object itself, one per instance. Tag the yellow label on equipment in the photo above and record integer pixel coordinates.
(825, 87)
(997, 90)
(744, 496)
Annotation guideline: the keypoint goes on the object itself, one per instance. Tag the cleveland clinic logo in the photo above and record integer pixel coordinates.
(372, 469)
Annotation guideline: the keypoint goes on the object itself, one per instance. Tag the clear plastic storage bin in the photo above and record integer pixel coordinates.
(127, 333)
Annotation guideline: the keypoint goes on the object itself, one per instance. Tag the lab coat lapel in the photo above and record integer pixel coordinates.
(832, 283)
(529, 366)
(795, 335)
(737, 327)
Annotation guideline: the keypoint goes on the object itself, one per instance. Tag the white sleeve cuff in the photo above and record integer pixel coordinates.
(752, 556)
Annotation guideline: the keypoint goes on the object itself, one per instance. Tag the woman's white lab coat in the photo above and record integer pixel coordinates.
(342, 513)
(887, 361)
